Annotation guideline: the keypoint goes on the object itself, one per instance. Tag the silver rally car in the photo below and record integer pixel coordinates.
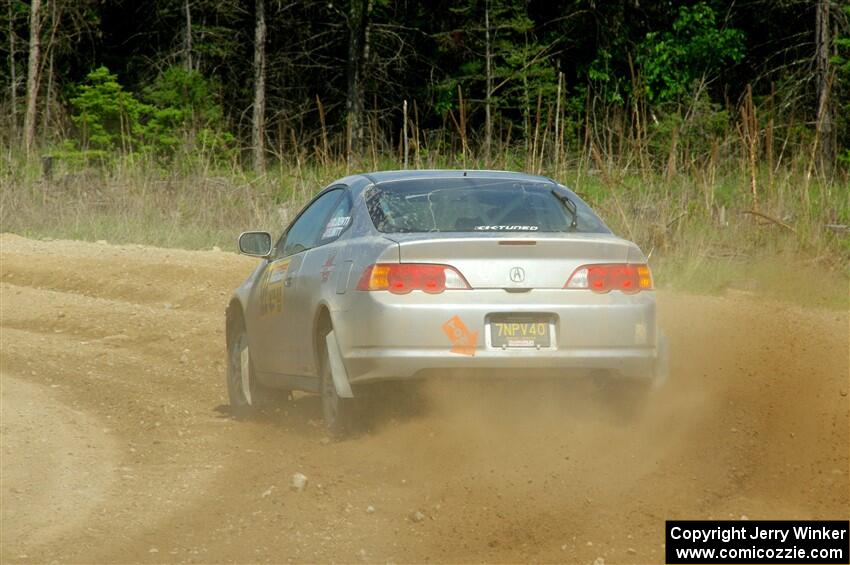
(409, 274)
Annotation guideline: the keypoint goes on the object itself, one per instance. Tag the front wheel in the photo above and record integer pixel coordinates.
(243, 389)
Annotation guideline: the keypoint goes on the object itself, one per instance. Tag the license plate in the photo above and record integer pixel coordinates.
(519, 332)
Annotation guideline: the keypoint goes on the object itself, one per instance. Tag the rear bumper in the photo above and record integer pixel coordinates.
(386, 336)
(381, 364)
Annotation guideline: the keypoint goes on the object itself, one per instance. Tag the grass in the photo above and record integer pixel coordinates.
(787, 276)
(694, 225)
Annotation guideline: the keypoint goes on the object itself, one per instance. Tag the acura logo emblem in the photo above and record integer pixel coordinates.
(517, 275)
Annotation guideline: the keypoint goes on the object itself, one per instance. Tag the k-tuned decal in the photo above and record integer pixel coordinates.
(506, 228)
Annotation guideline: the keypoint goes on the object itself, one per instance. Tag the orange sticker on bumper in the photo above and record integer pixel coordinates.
(463, 340)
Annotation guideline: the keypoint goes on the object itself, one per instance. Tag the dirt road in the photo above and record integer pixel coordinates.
(117, 444)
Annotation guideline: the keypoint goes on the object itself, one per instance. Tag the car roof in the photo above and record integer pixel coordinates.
(360, 181)
(390, 176)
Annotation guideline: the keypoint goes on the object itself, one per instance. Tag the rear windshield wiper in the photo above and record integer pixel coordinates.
(570, 206)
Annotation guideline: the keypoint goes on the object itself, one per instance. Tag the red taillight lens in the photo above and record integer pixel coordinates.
(597, 278)
(401, 278)
(626, 277)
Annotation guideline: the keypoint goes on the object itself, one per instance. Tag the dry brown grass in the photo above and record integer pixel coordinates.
(695, 222)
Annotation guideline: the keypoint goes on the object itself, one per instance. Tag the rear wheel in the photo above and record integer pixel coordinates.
(338, 412)
(628, 397)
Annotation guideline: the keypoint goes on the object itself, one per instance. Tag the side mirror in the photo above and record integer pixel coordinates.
(255, 243)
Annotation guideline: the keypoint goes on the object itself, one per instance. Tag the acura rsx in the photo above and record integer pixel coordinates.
(410, 274)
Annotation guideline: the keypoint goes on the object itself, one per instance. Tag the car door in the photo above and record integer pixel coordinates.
(277, 319)
(315, 280)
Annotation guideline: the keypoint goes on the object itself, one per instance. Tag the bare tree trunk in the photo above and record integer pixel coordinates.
(48, 96)
(824, 123)
(488, 120)
(13, 78)
(48, 54)
(259, 117)
(32, 75)
(404, 136)
(558, 134)
(358, 52)
(526, 109)
(187, 39)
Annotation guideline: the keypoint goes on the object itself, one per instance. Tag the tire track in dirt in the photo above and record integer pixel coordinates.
(131, 273)
(144, 328)
(76, 458)
(754, 421)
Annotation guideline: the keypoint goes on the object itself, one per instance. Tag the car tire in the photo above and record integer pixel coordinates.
(662, 362)
(246, 394)
(338, 413)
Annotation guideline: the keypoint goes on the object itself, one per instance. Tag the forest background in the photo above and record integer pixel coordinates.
(714, 133)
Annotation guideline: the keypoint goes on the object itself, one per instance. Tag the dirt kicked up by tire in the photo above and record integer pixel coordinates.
(118, 444)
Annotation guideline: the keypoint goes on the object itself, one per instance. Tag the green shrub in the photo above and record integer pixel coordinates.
(106, 116)
(184, 114)
(697, 46)
(698, 128)
(179, 113)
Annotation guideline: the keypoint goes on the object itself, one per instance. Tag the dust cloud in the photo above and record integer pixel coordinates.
(122, 347)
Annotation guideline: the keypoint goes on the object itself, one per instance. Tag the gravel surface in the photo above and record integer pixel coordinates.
(117, 443)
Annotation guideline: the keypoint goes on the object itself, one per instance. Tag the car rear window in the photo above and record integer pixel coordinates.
(477, 205)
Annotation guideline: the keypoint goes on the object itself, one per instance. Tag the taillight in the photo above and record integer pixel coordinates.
(401, 278)
(627, 277)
